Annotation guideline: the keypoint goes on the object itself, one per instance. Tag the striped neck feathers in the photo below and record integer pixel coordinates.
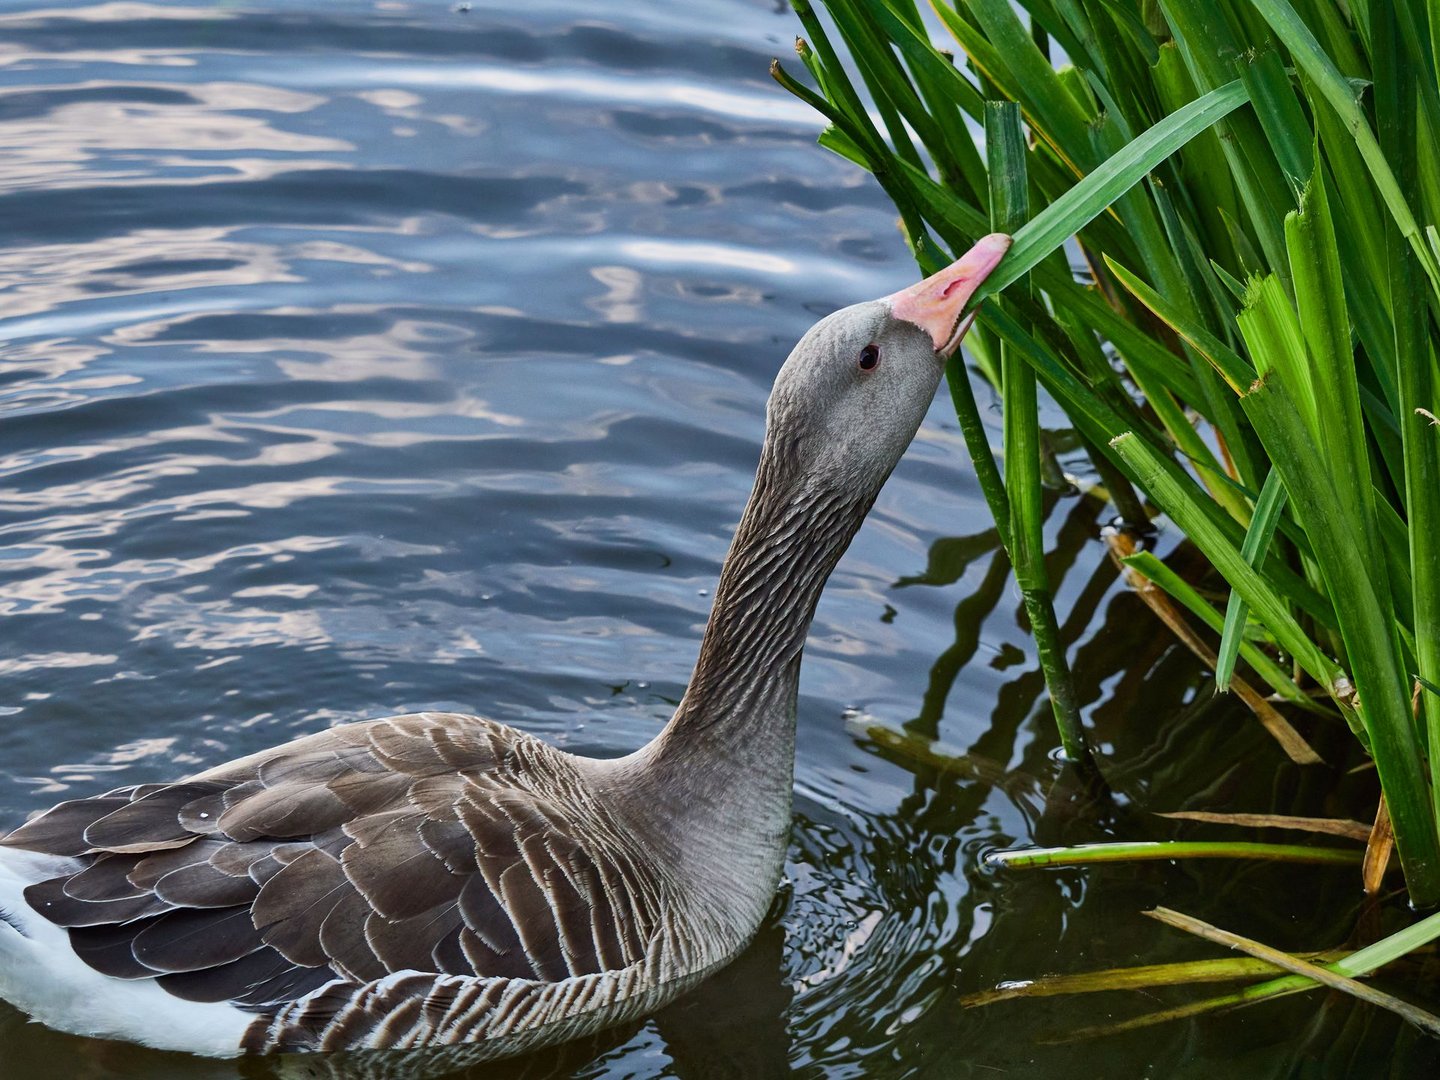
(794, 530)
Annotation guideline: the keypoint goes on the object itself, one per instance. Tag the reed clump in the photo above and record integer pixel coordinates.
(1249, 336)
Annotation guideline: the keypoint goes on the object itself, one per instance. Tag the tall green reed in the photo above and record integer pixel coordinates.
(1254, 186)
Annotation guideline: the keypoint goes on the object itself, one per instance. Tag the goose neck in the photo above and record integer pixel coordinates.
(742, 692)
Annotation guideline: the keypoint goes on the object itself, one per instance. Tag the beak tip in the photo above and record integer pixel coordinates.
(935, 303)
(989, 250)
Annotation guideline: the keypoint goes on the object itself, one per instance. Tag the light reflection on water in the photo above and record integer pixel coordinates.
(362, 358)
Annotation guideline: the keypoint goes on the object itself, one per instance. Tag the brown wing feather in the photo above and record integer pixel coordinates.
(148, 823)
(294, 904)
(424, 842)
(349, 952)
(107, 878)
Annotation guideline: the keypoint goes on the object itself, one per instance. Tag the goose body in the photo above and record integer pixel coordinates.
(434, 879)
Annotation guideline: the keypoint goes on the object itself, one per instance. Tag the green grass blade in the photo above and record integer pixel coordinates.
(982, 54)
(1185, 510)
(962, 223)
(836, 85)
(948, 95)
(1053, 110)
(1396, 115)
(1324, 320)
(1271, 329)
(834, 139)
(1152, 569)
(891, 90)
(1208, 43)
(977, 444)
(1370, 637)
(1203, 165)
(1149, 566)
(1128, 19)
(1257, 542)
(1099, 422)
(1232, 367)
(922, 55)
(1308, 54)
(1280, 115)
(1068, 214)
(1422, 477)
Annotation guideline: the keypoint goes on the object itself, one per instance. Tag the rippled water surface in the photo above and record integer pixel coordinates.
(363, 358)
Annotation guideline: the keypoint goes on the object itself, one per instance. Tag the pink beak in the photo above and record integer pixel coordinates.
(935, 304)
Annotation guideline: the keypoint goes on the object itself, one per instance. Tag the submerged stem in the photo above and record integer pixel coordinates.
(1139, 851)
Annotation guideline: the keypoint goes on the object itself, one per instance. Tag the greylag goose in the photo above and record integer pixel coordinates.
(435, 879)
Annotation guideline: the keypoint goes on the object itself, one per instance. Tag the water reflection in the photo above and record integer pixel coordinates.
(663, 93)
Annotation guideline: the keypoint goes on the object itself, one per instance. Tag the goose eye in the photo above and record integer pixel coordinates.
(869, 357)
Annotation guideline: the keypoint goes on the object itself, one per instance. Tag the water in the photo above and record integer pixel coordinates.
(369, 358)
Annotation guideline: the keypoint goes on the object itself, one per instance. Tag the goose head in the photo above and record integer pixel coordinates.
(852, 394)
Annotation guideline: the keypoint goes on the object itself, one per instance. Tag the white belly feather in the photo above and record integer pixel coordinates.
(40, 975)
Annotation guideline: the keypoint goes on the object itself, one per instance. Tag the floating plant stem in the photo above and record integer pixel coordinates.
(1151, 850)
(1358, 963)
(1140, 977)
(1326, 976)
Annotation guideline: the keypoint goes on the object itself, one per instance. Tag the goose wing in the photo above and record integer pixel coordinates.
(429, 842)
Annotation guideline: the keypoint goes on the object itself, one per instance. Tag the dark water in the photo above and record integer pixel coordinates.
(362, 358)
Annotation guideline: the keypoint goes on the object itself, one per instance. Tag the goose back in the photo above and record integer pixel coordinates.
(358, 863)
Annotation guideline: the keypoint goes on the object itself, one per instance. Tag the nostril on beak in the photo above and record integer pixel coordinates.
(935, 304)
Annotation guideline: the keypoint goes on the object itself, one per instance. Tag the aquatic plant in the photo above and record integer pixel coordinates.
(1249, 341)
